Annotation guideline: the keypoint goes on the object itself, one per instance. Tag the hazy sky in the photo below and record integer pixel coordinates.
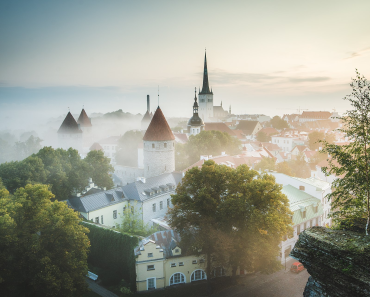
(267, 57)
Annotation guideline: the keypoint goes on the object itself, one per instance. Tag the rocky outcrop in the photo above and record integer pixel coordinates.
(338, 262)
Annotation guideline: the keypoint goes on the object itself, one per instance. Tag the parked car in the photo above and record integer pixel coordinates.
(297, 267)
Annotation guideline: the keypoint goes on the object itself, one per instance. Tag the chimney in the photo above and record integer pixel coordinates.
(147, 103)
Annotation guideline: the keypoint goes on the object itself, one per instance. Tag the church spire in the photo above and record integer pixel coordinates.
(195, 106)
(205, 88)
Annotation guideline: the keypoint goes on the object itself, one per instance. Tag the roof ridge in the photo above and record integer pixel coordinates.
(158, 129)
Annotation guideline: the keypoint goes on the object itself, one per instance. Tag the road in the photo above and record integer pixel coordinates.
(280, 284)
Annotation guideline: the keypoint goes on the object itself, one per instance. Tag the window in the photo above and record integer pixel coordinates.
(114, 214)
(97, 220)
(165, 145)
(194, 262)
(173, 264)
(302, 188)
(150, 267)
(152, 145)
(177, 250)
(198, 275)
(181, 263)
(177, 278)
(150, 255)
(150, 282)
(161, 205)
(201, 261)
(218, 271)
(298, 229)
(315, 209)
(304, 226)
(154, 207)
(102, 220)
(168, 202)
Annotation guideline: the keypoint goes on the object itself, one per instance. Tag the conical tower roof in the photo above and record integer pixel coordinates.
(83, 119)
(146, 117)
(158, 129)
(69, 125)
(205, 88)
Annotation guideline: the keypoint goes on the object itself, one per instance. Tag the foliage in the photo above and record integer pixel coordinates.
(278, 123)
(43, 249)
(100, 169)
(266, 163)
(263, 137)
(351, 193)
(299, 167)
(63, 170)
(283, 167)
(234, 216)
(116, 260)
(315, 137)
(132, 222)
(12, 150)
(206, 143)
(127, 153)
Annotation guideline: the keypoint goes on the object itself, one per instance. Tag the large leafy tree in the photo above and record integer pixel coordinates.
(43, 248)
(235, 217)
(315, 137)
(351, 193)
(100, 169)
(266, 163)
(207, 143)
(278, 123)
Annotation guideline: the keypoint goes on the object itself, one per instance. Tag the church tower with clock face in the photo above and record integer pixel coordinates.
(205, 96)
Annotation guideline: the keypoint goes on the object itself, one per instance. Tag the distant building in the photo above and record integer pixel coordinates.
(70, 134)
(147, 116)
(195, 124)
(250, 128)
(310, 116)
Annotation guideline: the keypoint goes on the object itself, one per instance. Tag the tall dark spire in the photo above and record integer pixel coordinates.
(205, 89)
(195, 105)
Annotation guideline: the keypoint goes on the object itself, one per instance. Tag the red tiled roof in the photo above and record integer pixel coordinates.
(83, 119)
(181, 137)
(316, 114)
(218, 126)
(69, 125)
(158, 129)
(96, 147)
(269, 131)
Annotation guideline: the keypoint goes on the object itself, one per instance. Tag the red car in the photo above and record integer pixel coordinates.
(297, 267)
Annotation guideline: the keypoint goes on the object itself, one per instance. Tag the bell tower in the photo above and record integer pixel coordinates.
(205, 96)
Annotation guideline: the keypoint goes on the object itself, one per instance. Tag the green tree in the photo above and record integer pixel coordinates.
(100, 169)
(235, 217)
(211, 143)
(181, 157)
(43, 248)
(266, 163)
(283, 167)
(315, 137)
(300, 167)
(132, 222)
(351, 193)
(278, 123)
(127, 153)
(263, 137)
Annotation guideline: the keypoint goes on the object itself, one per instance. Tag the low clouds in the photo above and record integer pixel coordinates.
(221, 77)
(360, 53)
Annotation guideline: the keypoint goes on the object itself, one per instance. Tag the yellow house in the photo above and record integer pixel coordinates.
(160, 263)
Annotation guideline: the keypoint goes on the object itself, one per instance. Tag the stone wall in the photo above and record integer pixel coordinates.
(337, 260)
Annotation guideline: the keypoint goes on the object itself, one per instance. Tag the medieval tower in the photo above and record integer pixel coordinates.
(159, 147)
(205, 96)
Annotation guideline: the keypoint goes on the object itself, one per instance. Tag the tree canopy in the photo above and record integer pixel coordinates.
(351, 193)
(315, 137)
(235, 217)
(266, 164)
(43, 248)
(206, 143)
(278, 123)
(63, 170)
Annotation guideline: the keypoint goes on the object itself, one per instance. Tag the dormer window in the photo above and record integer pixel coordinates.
(173, 264)
(303, 214)
(194, 262)
(177, 251)
(150, 255)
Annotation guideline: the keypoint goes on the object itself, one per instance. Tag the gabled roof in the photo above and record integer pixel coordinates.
(247, 126)
(69, 125)
(96, 147)
(318, 183)
(158, 129)
(83, 119)
(181, 137)
(298, 198)
(269, 131)
(218, 126)
(301, 148)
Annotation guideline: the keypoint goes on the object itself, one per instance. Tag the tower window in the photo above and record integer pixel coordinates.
(152, 145)
(165, 145)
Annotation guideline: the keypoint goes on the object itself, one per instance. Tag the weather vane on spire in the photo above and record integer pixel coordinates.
(158, 95)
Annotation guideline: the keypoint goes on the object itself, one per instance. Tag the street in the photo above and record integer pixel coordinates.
(280, 284)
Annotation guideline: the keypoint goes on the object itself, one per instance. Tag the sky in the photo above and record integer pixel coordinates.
(268, 57)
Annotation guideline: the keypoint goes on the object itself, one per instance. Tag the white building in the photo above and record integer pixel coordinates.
(109, 146)
(286, 143)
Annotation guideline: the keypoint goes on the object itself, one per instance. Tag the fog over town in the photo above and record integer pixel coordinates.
(198, 148)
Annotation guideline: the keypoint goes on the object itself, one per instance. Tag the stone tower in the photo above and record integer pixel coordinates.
(205, 96)
(159, 147)
(195, 124)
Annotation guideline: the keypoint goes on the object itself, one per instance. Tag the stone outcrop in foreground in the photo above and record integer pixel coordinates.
(338, 262)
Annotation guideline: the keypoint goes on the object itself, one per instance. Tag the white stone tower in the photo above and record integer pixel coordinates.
(205, 96)
(159, 147)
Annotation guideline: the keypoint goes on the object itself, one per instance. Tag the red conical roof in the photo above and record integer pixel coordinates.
(96, 147)
(158, 129)
(83, 119)
(69, 125)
